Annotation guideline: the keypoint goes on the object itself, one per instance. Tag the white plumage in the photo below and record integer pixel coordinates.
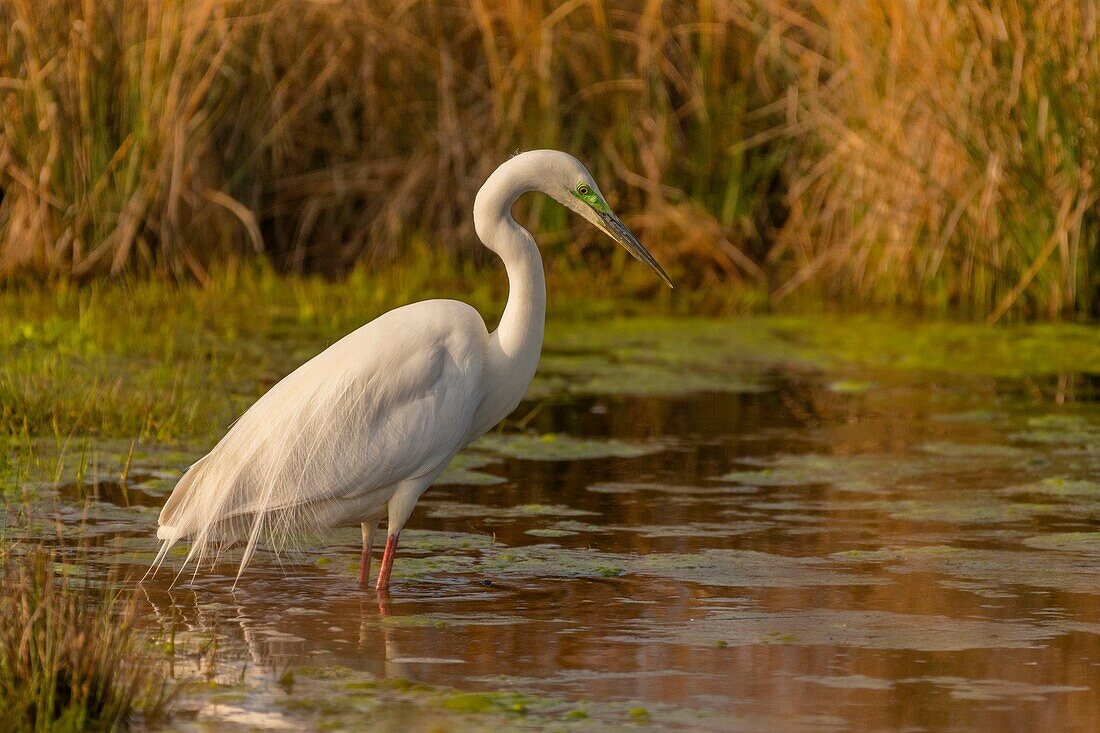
(362, 429)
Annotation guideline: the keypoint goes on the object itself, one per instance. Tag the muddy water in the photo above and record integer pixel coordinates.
(786, 549)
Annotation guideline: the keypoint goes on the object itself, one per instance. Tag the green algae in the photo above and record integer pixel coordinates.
(1059, 429)
(973, 450)
(962, 688)
(983, 510)
(436, 542)
(837, 342)
(463, 471)
(971, 483)
(1003, 571)
(1059, 487)
(711, 567)
(1082, 542)
(862, 473)
(413, 621)
(848, 682)
(116, 364)
(365, 702)
(549, 533)
(456, 509)
(486, 702)
(555, 447)
(600, 375)
(852, 628)
(748, 568)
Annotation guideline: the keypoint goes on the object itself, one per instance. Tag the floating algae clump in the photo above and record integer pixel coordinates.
(554, 447)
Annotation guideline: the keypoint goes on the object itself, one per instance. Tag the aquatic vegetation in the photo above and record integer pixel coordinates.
(463, 470)
(865, 473)
(939, 518)
(165, 364)
(1002, 571)
(1060, 429)
(1055, 487)
(1083, 542)
(747, 568)
(636, 375)
(71, 657)
(850, 628)
(552, 447)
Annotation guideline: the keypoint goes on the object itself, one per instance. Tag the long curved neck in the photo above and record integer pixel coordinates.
(518, 338)
(522, 324)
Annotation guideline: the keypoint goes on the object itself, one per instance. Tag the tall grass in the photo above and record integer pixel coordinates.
(928, 153)
(70, 656)
(948, 152)
(163, 134)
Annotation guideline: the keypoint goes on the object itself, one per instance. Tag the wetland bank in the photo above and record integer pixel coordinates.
(725, 524)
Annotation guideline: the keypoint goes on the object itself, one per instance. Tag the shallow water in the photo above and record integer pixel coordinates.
(766, 546)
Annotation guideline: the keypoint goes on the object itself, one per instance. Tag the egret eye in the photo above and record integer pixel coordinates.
(583, 189)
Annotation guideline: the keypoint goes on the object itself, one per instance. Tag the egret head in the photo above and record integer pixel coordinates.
(576, 190)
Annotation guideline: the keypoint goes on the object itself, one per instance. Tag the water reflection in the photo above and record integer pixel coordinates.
(823, 552)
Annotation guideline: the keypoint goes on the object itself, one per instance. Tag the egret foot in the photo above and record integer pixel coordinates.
(383, 582)
(369, 529)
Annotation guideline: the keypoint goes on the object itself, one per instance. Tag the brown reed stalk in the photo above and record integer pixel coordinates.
(949, 154)
(161, 135)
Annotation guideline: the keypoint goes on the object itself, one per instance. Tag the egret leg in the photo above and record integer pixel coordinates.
(387, 561)
(369, 528)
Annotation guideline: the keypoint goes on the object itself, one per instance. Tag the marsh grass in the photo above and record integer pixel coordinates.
(947, 154)
(71, 655)
(139, 357)
(139, 360)
(160, 135)
(932, 154)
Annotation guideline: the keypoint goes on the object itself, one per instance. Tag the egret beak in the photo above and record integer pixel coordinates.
(615, 229)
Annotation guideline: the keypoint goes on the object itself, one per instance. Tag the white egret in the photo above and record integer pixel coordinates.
(362, 429)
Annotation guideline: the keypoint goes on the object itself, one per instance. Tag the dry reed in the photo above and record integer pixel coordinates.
(931, 153)
(949, 153)
(162, 135)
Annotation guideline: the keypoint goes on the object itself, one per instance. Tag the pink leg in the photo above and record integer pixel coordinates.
(387, 562)
(368, 544)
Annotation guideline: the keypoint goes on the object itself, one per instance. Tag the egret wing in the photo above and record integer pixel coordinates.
(389, 402)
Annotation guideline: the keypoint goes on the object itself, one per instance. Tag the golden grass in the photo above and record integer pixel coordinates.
(159, 135)
(948, 153)
(933, 154)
